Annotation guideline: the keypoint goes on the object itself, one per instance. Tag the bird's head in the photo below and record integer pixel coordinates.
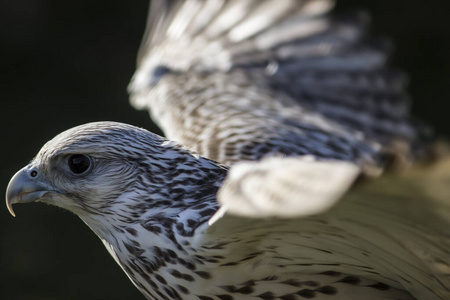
(88, 169)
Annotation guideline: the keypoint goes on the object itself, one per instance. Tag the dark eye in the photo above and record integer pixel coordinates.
(79, 163)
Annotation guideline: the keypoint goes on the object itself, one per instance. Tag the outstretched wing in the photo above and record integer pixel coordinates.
(243, 79)
(395, 228)
(246, 79)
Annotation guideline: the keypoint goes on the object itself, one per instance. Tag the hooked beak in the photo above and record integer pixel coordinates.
(24, 188)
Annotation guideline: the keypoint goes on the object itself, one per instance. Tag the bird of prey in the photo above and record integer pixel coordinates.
(272, 110)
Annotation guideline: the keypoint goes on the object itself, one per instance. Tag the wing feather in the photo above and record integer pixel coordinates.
(203, 56)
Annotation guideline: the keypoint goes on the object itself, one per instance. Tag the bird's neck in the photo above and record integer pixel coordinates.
(155, 243)
(170, 207)
(147, 224)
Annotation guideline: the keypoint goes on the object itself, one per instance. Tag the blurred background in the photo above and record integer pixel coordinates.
(64, 63)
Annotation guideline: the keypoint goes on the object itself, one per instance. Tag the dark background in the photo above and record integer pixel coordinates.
(64, 63)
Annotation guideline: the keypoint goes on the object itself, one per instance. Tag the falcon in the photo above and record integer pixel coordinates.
(286, 173)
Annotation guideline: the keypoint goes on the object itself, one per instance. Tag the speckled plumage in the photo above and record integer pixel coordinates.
(307, 96)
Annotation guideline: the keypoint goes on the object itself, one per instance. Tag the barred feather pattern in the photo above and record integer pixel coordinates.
(241, 80)
(248, 125)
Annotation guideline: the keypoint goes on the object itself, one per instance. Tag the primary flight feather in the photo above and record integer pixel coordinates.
(299, 103)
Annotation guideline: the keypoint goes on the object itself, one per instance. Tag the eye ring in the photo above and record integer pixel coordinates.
(79, 163)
